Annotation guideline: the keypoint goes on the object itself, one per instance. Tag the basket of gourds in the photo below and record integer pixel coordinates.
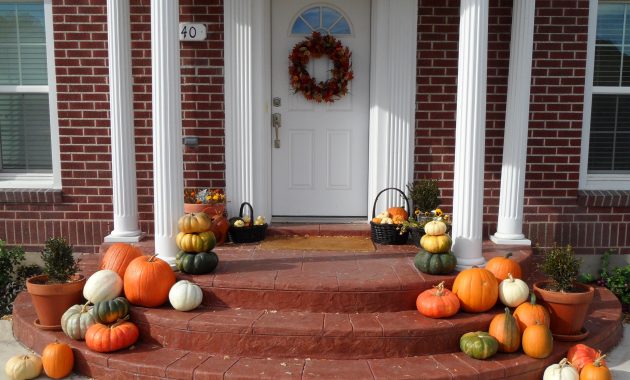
(386, 226)
(246, 230)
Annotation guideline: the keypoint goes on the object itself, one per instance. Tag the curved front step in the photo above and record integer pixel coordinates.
(286, 334)
(146, 360)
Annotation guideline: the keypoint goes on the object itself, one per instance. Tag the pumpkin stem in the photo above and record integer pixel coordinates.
(510, 277)
(119, 321)
(563, 362)
(439, 289)
(152, 258)
(507, 311)
(508, 255)
(84, 309)
(532, 298)
(598, 360)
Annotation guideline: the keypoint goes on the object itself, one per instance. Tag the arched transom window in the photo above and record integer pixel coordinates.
(322, 19)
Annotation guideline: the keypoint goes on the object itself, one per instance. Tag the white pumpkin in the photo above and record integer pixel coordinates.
(561, 371)
(104, 285)
(185, 296)
(513, 291)
(435, 228)
(76, 320)
(21, 367)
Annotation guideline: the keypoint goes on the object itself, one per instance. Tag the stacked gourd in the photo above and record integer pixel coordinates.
(435, 256)
(196, 241)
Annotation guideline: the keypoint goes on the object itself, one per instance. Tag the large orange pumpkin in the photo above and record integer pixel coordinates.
(596, 371)
(501, 266)
(528, 313)
(103, 338)
(505, 329)
(148, 281)
(477, 290)
(580, 355)
(398, 212)
(537, 341)
(58, 360)
(118, 256)
(438, 302)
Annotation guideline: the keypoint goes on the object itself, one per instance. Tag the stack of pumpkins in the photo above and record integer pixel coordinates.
(196, 241)
(435, 257)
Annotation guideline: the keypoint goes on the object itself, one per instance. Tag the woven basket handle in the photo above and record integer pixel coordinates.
(251, 210)
(384, 190)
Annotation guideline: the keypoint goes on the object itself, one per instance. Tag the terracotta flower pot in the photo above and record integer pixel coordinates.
(567, 310)
(52, 300)
(211, 210)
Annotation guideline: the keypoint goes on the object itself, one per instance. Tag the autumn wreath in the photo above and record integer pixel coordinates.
(316, 46)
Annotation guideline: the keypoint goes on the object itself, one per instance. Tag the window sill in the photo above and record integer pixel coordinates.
(604, 198)
(31, 196)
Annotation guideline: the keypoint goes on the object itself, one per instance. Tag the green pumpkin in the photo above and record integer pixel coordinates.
(478, 344)
(435, 263)
(196, 263)
(76, 320)
(107, 312)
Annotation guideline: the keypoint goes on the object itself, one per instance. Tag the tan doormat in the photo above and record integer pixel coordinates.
(319, 243)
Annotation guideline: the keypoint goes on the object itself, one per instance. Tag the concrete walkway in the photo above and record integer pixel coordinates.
(618, 359)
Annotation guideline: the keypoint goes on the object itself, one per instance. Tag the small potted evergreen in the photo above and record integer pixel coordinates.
(567, 300)
(59, 287)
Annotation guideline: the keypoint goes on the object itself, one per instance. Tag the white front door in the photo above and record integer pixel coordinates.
(320, 167)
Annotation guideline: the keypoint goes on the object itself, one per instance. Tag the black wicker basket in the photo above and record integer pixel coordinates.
(388, 233)
(248, 234)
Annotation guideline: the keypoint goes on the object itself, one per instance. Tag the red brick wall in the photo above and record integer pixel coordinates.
(553, 211)
(84, 215)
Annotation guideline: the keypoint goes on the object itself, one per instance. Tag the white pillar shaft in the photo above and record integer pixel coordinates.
(168, 173)
(510, 222)
(122, 129)
(470, 133)
(392, 108)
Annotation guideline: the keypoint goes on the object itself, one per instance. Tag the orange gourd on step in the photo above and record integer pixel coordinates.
(596, 371)
(118, 256)
(528, 313)
(505, 329)
(477, 290)
(148, 281)
(580, 355)
(501, 266)
(103, 338)
(57, 360)
(438, 302)
(537, 341)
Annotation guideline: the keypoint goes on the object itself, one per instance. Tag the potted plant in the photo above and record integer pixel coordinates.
(59, 287)
(210, 201)
(567, 300)
(425, 195)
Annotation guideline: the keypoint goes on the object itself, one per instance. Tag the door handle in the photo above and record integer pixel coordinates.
(276, 123)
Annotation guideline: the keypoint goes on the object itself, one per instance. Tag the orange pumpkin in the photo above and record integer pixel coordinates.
(596, 370)
(477, 290)
(118, 256)
(148, 281)
(528, 313)
(501, 266)
(438, 302)
(537, 341)
(57, 360)
(220, 227)
(103, 338)
(580, 355)
(398, 211)
(505, 329)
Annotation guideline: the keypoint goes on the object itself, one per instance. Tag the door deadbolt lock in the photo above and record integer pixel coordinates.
(276, 102)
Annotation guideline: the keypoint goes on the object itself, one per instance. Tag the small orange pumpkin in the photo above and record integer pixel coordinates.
(501, 266)
(537, 341)
(398, 211)
(57, 360)
(596, 370)
(528, 313)
(505, 329)
(118, 256)
(477, 290)
(148, 281)
(103, 338)
(438, 302)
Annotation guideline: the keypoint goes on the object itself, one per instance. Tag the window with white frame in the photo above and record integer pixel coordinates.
(27, 100)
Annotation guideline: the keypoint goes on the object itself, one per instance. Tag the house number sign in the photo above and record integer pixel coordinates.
(192, 32)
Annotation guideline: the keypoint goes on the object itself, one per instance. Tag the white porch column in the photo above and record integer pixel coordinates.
(122, 128)
(510, 223)
(392, 99)
(470, 133)
(247, 104)
(168, 175)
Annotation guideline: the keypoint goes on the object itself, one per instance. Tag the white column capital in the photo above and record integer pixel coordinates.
(124, 194)
(168, 165)
(510, 219)
(470, 133)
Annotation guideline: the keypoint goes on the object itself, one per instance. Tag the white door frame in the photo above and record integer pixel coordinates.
(247, 89)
